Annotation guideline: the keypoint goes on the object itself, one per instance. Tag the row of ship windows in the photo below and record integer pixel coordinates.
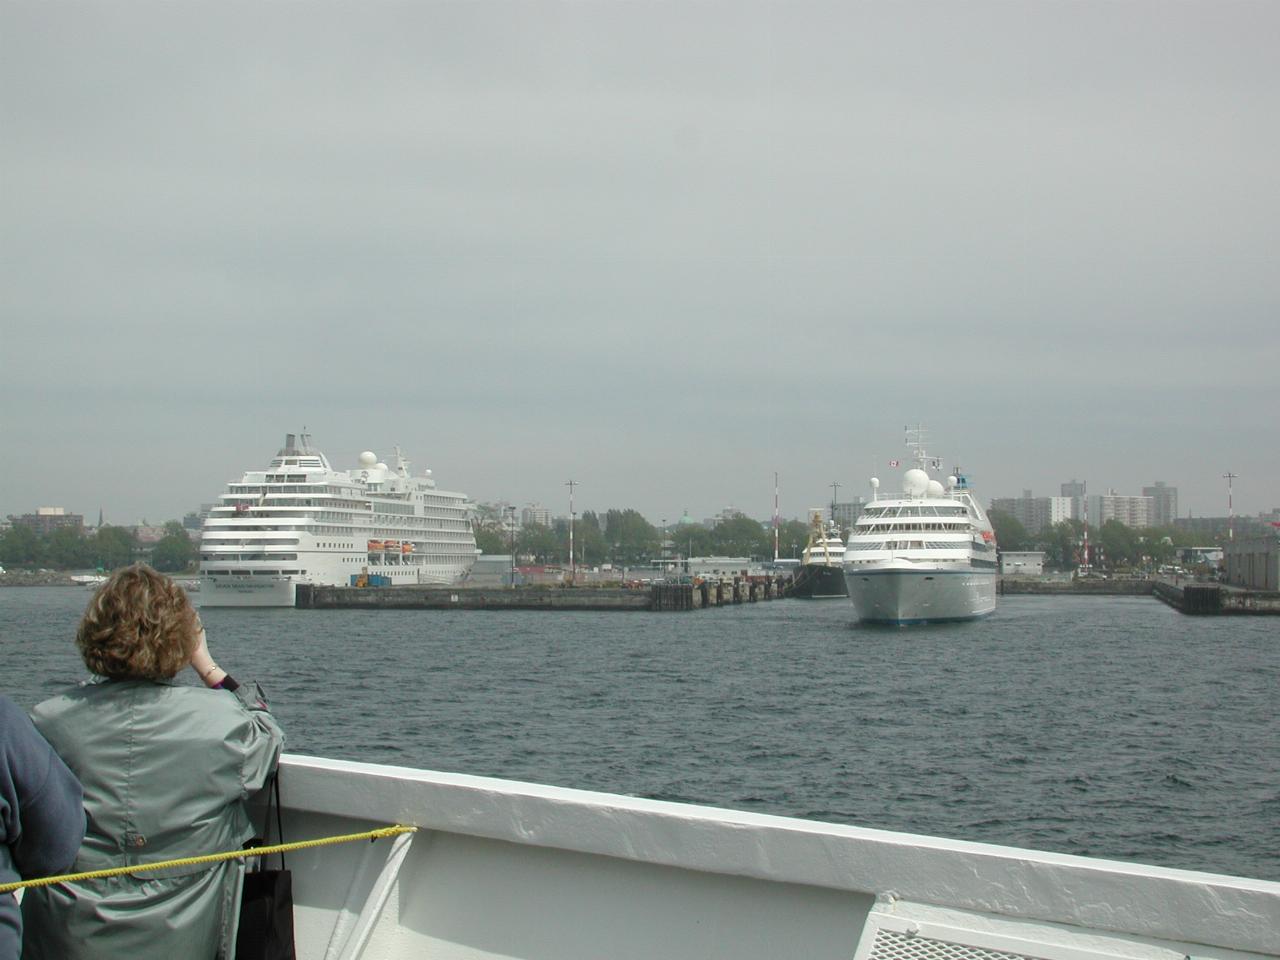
(239, 557)
(915, 512)
(910, 527)
(909, 545)
(245, 489)
(412, 560)
(432, 523)
(255, 573)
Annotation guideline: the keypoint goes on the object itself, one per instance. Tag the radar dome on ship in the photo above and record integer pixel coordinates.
(936, 489)
(368, 459)
(915, 482)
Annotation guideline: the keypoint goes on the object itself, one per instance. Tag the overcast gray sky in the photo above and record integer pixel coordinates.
(662, 248)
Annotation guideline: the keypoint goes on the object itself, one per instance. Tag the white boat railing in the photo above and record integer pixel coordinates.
(520, 870)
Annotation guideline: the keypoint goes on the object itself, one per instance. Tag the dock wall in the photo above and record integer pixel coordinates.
(1201, 599)
(660, 597)
(1012, 586)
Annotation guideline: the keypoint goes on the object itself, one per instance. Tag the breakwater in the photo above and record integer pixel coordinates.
(1190, 598)
(1212, 598)
(1119, 587)
(660, 597)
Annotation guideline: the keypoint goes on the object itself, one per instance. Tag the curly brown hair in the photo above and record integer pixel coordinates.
(138, 626)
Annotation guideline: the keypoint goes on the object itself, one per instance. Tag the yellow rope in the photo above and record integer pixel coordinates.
(209, 858)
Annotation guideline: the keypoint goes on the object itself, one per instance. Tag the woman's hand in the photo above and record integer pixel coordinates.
(202, 662)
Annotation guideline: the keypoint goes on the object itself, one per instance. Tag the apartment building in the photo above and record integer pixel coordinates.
(1035, 513)
(1164, 503)
(1131, 511)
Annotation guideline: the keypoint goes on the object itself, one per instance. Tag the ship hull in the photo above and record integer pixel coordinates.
(819, 581)
(231, 591)
(900, 595)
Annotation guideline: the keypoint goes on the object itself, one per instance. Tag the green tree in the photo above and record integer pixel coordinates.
(692, 540)
(740, 536)
(588, 540)
(175, 553)
(1010, 533)
(491, 540)
(631, 537)
(113, 547)
(1061, 544)
(20, 546)
(540, 542)
(67, 549)
(793, 537)
(1119, 544)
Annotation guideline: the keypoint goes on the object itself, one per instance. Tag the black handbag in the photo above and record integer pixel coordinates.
(266, 904)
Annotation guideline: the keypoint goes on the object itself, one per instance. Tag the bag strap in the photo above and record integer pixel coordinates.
(274, 791)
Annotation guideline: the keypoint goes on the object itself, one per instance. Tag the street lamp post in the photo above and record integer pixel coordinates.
(573, 570)
(511, 534)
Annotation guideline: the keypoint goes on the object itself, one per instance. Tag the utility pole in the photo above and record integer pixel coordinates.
(1231, 512)
(511, 531)
(775, 516)
(1084, 499)
(573, 570)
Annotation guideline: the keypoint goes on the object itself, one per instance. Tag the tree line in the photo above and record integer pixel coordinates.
(624, 537)
(1112, 545)
(105, 548)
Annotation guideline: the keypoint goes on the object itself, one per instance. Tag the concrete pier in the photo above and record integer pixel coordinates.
(1212, 598)
(659, 596)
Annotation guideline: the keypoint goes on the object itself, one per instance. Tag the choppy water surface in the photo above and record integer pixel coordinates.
(1109, 727)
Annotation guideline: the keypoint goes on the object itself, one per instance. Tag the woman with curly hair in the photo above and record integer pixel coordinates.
(166, 770)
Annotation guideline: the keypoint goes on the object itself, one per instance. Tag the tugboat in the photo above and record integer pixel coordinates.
(820, 575)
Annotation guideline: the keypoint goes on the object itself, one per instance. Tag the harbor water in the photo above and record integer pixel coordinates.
(1106, 727)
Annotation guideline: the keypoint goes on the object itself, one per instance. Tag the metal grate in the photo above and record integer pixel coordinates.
(889, 945)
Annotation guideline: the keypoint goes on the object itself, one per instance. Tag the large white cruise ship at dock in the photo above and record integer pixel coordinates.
(301, 521)
(926, 554)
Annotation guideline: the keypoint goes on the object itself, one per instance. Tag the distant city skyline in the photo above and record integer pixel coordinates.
(527, 505)
(665, 250)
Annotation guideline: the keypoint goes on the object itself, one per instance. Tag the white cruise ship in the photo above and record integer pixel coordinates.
(301, 521)
(925, 554)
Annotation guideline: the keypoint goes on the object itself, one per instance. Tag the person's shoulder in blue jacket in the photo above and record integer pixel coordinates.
(41, 815)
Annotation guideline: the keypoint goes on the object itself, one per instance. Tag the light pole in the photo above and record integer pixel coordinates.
(511, 534)
(573, 570)
(1231, 510)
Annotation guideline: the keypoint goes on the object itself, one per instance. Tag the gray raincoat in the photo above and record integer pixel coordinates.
(166, 770)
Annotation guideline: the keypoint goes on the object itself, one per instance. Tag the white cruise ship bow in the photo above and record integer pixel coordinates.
(927, 554)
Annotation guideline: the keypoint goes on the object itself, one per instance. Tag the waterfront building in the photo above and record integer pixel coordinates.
(1164, 503)
(1074, 490)
(728, 513)
(1035, 513)
(1254, 562)
(845, 515)
(1133, 512)
(48, 519)
(1021, 563)
(535, 513)
(1217, 528)
(1200, 556)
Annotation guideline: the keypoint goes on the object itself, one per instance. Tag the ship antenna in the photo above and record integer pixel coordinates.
(916, 440)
